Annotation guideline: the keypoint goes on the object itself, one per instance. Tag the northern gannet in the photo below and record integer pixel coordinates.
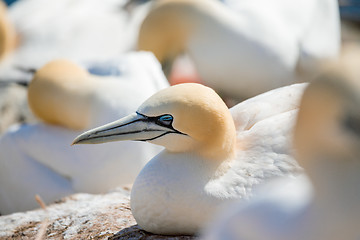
(38, 159)
(212, 155)
(8, 37)
(243, 48)
(327, 143)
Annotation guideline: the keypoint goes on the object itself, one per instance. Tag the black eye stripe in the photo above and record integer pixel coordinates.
(352, 123)
(167, 123)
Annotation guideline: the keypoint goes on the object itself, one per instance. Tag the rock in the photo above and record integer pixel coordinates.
(135, 232)
(79, 216)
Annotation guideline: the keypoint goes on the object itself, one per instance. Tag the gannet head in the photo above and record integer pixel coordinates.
(59, 94)
(8, 39)
(328, 125)
(166, 29)
(183, 118)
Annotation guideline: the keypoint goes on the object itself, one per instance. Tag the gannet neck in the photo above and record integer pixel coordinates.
(169, 25)
(8, 38)
(186, 118)
(164, 32)
(327, 137)
(60, 94)
(329, 111)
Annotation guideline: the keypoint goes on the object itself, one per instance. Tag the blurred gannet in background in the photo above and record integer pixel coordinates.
(79, 30)
(327, 139)
(212, 155)
(245, 47)
(7, 32)
(38, 159)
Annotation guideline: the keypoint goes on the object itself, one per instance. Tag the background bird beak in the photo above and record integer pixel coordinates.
(135, 127)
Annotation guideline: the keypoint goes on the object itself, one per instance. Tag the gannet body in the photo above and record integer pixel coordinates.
(38, 158)
(7, 32)
(243, 48)
(79, 31)
(212, 155)
(324, 206)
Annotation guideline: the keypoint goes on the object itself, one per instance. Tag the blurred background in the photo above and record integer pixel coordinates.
(115, 33)
(98, 36)
(249, 50)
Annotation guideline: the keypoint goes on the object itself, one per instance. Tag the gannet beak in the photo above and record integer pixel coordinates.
(167, 66)
(136, 127)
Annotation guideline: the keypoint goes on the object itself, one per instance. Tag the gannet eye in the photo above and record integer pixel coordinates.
(165, 120)
(352, 123)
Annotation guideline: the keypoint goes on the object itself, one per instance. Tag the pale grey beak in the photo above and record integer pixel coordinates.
(136, 127)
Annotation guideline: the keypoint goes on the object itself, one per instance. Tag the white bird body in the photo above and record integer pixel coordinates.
(267, 214)
(243, 48)
(38, 158)
(324, 205)
(78, 31)
(287, 209)
(181, 188)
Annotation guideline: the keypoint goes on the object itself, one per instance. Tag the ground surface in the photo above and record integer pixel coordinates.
(80, 216)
